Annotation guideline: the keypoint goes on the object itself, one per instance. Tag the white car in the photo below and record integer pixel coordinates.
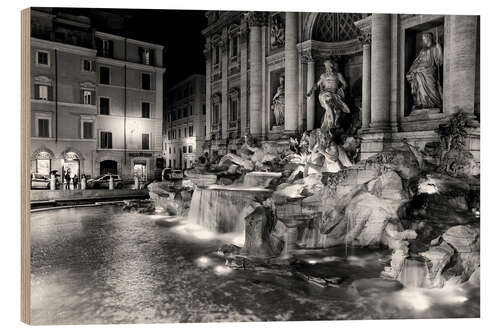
(103, 182)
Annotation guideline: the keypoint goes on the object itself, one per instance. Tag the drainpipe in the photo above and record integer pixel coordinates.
(55, 92)
(125, 107)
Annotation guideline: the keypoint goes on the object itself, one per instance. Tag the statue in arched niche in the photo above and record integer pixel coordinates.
(331, 95)
(278, 103)
(423, 75)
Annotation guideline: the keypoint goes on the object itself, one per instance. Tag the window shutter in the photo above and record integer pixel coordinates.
(92, 66)
(99, 46)
(50, 93)
(37, 91)
(152, 57)
(102, 139)
(110, 48)
(141, 54)
(110, 140)
(92, 98)
(81, 96)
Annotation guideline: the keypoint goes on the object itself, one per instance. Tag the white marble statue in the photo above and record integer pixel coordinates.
(331, 95)
(424, 75)
(278, 103)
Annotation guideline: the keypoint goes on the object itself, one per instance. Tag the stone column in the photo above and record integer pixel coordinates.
(366, 88)
(311, 101)
(255, 20)
(460, 63)
(208, 89)
(243, 77)
(291, 73)
(380, 72)
(223, 44)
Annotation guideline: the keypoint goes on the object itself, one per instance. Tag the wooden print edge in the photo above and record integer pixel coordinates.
(25, 168)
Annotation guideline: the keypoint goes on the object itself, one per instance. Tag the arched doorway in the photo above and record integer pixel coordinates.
(71, 163)
(41, 161)
(140, 169)
(108, 166)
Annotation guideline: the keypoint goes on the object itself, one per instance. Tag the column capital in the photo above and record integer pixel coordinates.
(307, 57)
(243, 33)
(365, 37)
(256, 19)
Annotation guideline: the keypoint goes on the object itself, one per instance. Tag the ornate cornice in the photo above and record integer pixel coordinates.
(223, 41)
(257, 18)
(365, 24)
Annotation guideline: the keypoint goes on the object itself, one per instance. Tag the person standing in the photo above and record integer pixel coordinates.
(67, 179)
(75, 182)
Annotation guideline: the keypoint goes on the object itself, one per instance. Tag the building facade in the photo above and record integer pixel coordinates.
(185, 128)
(96, 100)
(249, 53)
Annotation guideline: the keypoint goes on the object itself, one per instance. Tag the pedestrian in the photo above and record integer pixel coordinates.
(67, 179)
(75, 182)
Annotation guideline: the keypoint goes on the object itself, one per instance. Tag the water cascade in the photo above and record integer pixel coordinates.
(413, 274)
(222, 209)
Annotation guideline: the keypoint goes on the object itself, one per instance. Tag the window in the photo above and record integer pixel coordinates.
(104, 75)
(180, 133)
(43, 128)
(42, 58)
(215, 116)
(184, 149)
(190, 110)
(234, 46)
(87, 65)
(104, 106)
(145, 55)
(145, 141)
(88, 130)
(145, 110)
(146, 81)
(170, 150)
(216, 55)
(190, 149)
(185, 112)
(87, 97)
(107, 48)
(185, 132)
(43, 92)
(190, 130)
(234, 110)
(204, 110)
(106, 140)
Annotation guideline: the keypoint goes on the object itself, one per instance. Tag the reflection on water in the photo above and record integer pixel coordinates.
(101, 265)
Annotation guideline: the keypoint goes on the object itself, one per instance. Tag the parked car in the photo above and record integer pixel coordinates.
(39, 181)
(169, 174)
(103, 182)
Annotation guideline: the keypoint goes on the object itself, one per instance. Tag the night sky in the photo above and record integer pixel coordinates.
(178, 30)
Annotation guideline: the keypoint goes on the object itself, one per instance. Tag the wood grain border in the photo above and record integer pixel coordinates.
(25, 167)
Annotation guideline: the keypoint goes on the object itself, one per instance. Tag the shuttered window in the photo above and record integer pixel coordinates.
(88, 130)
(146, 81)
(104, 75)
(43, 128)
(145, 141)
(104, 106)
(145, 110)
(106, 140)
